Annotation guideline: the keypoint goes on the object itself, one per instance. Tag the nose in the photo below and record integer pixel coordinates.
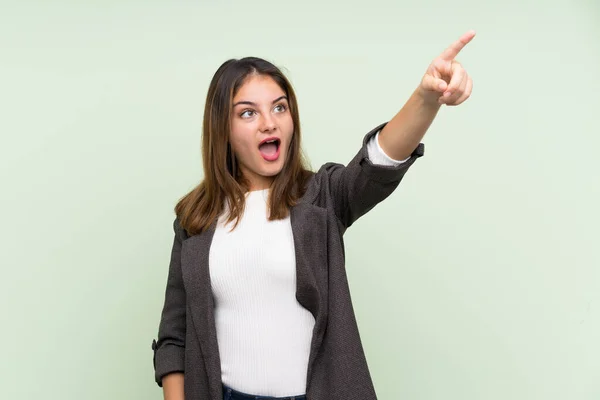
(268, 123)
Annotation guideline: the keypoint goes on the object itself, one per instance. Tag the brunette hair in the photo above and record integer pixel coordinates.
(222, 183)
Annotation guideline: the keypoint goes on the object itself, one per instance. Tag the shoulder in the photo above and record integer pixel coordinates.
(180, 232)
(353, 189)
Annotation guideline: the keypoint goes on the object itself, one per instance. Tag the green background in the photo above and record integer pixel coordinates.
(481, 276)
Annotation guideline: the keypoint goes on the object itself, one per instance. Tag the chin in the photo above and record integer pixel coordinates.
(272, 170)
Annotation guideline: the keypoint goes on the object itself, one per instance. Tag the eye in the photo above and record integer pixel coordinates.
(280, 108)
(247, 113)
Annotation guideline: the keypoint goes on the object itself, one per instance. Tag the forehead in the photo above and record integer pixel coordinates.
(258, 88)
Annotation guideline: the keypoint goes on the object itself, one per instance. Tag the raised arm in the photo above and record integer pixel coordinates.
(445, 82)
(358, 187)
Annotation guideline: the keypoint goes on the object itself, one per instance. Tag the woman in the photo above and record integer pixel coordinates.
(257, 304)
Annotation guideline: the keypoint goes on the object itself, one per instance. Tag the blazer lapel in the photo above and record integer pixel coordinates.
(309, 227)
(196, 276)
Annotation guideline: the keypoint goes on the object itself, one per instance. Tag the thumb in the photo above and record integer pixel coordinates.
(434, 84)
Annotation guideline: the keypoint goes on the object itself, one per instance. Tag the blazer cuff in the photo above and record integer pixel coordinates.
(167, 358)
(385, 173)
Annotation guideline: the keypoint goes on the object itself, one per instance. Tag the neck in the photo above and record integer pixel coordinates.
(256, 190)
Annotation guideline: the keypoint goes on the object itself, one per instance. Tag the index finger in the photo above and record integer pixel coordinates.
(452, 51)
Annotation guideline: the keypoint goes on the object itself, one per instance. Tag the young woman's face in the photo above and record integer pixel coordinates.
(261, 130)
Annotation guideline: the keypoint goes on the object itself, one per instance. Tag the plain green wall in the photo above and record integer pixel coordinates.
(481, 280)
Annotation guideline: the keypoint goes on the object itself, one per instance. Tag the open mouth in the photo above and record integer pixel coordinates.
(269, 148)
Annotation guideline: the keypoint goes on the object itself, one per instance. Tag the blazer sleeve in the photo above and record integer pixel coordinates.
(169, 349)
(358, 187)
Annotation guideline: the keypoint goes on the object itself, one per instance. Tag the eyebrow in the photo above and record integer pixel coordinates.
(254, 104)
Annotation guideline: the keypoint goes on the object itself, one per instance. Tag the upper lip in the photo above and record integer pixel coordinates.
(269, 139)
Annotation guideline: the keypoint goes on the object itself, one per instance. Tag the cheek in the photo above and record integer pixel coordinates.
(240, 148)
(241, 143)
(290, 133)
(289, 122)
(287, 127)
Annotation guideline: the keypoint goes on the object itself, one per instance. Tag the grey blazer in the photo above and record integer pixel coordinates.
(337, 196)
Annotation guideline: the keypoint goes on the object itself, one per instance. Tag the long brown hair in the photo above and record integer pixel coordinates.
(223, 183)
